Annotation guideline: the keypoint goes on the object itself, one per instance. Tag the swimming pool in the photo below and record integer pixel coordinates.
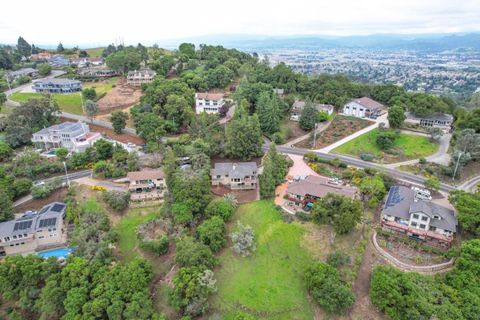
(60, 253)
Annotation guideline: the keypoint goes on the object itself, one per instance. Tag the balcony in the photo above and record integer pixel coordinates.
(417, 232)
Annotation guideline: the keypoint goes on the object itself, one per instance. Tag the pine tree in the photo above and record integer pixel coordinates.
(24, 47)
(309, 117)
(274, 170)
(6, 212)
(243, 135)
(268, 113)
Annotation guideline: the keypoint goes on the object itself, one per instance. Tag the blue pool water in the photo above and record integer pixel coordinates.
(57, 253)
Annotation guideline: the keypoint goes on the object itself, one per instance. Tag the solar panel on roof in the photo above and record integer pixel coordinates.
(47, 222)
(22, 225)
(57, 207)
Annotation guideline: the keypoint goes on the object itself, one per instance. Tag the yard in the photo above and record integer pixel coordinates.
(406, 147)
(269, 284)
(101, 87)
(95, 52)
(67, 102)
(341, 127)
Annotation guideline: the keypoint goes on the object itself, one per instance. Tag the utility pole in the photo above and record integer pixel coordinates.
(458, 162)
(66, 173)
(83, 106)
(314, 135)
(9, 87)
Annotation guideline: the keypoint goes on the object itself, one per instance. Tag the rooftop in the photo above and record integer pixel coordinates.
(369, 103)
(145, 175)
(57, 81)
(64, 126)
(234, 170)
(209, 96)
(437, 116)
(319, 187)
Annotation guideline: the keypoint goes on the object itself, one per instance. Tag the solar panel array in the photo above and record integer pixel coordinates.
(57, 207)
(393, 197)
(22, 225)
(44, 223)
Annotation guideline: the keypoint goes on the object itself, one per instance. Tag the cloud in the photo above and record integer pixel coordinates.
(99, 22)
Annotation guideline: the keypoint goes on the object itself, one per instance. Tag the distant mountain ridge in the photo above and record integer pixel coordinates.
(422, 42)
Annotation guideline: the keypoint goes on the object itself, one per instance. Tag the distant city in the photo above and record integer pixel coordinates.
(455, 73)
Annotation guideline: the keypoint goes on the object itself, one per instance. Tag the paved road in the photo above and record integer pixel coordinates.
(404, 176)
(28, 86)
(470, 185)
(382, 118)
(71, 176)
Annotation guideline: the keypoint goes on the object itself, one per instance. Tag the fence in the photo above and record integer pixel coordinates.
(405, 266)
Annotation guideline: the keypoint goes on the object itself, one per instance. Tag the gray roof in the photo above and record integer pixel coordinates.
(145, 71)
(48, 216)
(57, 81)
(234, 170)
(437, 116)
(22, 71)
(401, 203)
(64, 126)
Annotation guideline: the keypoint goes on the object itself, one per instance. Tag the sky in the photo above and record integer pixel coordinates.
(97, 22)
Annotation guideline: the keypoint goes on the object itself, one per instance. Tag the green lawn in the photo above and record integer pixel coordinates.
(102, 87)
(95, 52)
(270, 282)
(126, 228)
(68, 102)
(406, 147)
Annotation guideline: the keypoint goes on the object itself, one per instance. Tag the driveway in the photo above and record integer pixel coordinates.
(382, 118)
(320, 127)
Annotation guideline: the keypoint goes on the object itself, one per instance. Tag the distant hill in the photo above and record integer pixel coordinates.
(423, 42)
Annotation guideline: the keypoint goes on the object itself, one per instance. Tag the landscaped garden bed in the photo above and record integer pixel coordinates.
(341, 127)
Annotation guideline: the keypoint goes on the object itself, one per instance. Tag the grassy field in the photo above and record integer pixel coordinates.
(270, 282)
(102, 87)
(406, 147)
(126, 228)
(95, 52)
(68, 102)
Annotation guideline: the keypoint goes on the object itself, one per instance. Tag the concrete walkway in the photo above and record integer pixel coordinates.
(320, 128)
(328, 149)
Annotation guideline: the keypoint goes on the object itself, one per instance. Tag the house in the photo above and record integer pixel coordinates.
(146, 184)
(208, 102)
(87, 61)
(439, 120)
(364, 108)
(55, 85)
(236, 176)
(312, 188)
(97, 72)
(41, 56)
(420, 220)
(58, 60)
(279, 91)
(75, 136)
(34, 231)
(24, 72)
(298, 106)
(139, 77)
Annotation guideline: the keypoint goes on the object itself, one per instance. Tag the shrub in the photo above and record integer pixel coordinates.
(385, 140)
(337, 259)
(191, 253)
(310, 156)
(243, 240)
(22, 186)
(278, 138)
(89, 93)
(158, 246)
(422, 160)
(221, 207)
(117, 200)
(212, 233)
(366, 156)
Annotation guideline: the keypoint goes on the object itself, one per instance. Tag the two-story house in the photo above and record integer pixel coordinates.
(299, 105)
(440, 120)
(97, 72)
(139, 77)
(236, 176)
(54, 85)
(364, 108)
(34, 231)
(208, 102)
(420, 220)
(75, 136)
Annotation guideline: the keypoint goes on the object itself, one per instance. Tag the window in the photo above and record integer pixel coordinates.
(415, 216)
(414, 224)
(422, 226)
(424, 218)
(433, 228)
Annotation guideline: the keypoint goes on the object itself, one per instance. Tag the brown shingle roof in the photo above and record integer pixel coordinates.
(319, 187)
(145, 175)
(369, 103)
(209, 96)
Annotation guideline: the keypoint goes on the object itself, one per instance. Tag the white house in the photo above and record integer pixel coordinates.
(139, 77)
(76, 137)
(298, 106)
(364, 108)
(208, 102)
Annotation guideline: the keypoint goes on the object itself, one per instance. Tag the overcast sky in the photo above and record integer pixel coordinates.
(99, 22)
